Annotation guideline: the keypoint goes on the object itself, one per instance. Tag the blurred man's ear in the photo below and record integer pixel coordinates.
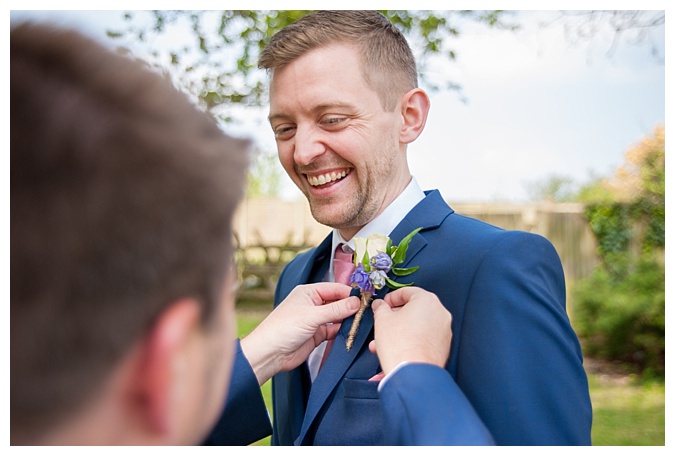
(161, 379)
(414, 110)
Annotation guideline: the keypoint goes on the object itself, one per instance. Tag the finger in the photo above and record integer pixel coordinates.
(377, 303)
(337, 311)
(401, 296)
(332, 331)
(372, 347)
(329, 291)
(380, 308)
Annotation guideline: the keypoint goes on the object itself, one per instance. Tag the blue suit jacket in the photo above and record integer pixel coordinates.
(514, 360)
(416, 393)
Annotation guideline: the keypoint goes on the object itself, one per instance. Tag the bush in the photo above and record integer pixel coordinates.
(620, 308)
(623, 319)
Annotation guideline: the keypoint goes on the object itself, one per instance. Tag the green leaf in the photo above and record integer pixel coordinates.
(366, 261)
(399, 255)
(401, 272)
(395, 285)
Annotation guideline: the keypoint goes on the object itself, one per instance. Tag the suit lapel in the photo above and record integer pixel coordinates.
(309, 269)
(334, 369)
(429, 214)
(295, 385)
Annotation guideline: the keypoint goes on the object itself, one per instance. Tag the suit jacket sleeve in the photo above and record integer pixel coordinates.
(245, 419)
(422, 405)
(520, 363)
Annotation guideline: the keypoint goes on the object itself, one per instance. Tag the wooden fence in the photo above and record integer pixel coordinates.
(270, 232)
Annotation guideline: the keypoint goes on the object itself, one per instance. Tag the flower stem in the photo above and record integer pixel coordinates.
(365, 302)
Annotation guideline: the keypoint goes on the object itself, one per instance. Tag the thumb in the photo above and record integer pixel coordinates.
(401, 296)
(379, 307)
(337, 311)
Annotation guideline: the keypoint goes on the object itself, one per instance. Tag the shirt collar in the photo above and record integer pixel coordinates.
(386, 221)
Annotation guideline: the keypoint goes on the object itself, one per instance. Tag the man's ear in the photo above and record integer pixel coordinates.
(162, 373)
(414, 111)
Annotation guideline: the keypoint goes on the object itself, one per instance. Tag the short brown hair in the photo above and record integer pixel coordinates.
(388, 64)
(122, 199)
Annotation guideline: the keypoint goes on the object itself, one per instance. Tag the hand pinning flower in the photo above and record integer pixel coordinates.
(374, 258)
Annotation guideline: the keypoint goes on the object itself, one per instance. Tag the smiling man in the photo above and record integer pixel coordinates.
(341, 144)
(344, 105)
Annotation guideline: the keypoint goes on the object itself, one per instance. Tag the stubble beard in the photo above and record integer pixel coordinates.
(361, 207)
(355, 210)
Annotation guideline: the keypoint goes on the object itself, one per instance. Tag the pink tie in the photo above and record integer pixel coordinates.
(343, 265)
(343, 268)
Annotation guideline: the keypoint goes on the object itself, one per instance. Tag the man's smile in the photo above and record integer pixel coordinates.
(317, 180)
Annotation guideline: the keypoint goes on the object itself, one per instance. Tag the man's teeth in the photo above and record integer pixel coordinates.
(326, 178)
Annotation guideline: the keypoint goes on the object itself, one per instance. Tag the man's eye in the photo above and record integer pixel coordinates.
(332, 121)
(284, 132)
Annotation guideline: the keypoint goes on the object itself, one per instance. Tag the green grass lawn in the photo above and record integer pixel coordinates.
(626, 412)
(247, 319)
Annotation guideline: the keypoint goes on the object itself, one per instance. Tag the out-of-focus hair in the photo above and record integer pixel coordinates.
(122, 199)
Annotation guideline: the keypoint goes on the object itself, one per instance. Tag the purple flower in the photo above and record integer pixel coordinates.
(381, 261)
(378, 279)
(360, 279)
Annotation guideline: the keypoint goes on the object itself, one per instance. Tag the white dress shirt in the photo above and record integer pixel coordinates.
(384, 224)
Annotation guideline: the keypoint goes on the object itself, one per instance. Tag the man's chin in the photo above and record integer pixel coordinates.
(336, 217)
(331, 215)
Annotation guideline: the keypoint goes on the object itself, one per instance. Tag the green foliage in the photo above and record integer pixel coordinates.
(398, 253)
(624, 319)
(655, 231)
(264, 176)
(594, 193)
(627, 212)
(555, 188)
(613, 230)
(620, 309)
(218, 62)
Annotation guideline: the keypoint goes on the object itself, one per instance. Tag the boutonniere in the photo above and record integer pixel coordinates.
(375, 257)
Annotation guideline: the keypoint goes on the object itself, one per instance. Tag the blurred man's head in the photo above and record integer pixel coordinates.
(122, 199)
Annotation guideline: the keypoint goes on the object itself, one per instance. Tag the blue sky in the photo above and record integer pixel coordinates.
(536, 106)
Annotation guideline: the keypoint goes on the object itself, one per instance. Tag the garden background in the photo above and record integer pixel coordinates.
(545, 121)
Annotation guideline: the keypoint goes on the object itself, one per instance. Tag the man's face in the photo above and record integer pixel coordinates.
(334, 139)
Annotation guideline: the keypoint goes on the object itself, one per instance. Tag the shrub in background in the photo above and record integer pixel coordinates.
(620, 308)
(624, 319)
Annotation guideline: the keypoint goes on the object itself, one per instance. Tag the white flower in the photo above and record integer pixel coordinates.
(359, 249)
(377, 243)
(373, 244)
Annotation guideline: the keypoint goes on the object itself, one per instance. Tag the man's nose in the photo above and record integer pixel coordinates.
(309, 144)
